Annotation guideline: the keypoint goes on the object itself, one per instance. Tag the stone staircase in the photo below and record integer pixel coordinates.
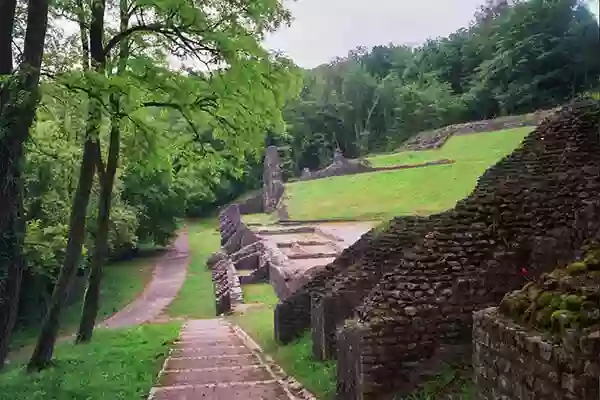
(212, 360)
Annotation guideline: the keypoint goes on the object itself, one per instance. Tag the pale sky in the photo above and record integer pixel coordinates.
(324, 29)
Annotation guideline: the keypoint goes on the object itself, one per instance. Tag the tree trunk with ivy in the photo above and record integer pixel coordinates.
(18, 102)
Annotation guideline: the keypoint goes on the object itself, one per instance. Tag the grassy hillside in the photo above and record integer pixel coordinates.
(418, 191)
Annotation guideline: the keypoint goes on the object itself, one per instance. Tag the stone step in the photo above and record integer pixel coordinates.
(211, 361)
(246, 391)
(201, 341)
(206, 324)
(209, 351)
(216, 375)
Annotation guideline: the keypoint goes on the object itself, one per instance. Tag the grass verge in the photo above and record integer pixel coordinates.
(121, 284)
(418, 191)
(196, 298)
(295, 358)
(117, 364)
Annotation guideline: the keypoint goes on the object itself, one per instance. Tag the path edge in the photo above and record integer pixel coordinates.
(294, 388)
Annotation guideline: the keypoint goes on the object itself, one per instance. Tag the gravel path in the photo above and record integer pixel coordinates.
(213, 361)
(169, 275)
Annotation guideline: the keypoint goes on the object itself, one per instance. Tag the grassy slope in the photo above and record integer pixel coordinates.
(481, 147)
(419, 191)
(118, 364)
(262, 219)
(121, 284)
(296, 358)
(196, 297)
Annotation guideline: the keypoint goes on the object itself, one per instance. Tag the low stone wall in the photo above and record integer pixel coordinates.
(436, 139)
(218, 265)
(341, 295)
(240, 248)
(292, 316)
(354, 171)
(512, 362)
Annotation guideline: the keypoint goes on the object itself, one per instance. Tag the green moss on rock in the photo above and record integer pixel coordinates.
(566, 299)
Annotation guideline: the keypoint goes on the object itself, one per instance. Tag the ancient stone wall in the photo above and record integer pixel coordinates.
(436, 139)
(240, 249)
(543, 341)
(292, 316)
(342, 294)
(339, 166)
(513, 362)
(473, 255)
(351, 169)
(521, 213)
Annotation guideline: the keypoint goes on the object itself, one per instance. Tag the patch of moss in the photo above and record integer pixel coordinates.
(572, 302)
(575, 268)
(545, 299)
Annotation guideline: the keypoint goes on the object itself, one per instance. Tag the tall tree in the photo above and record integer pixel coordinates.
(18, 100)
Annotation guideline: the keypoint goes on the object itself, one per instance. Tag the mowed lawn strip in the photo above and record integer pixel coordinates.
(118, 364)
(418, 191)
(196, 298)
(295, 358)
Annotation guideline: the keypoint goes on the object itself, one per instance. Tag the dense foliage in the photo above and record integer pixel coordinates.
(514, 58)
(192, 102)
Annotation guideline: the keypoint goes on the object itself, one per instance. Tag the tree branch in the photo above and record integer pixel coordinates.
(115, 40)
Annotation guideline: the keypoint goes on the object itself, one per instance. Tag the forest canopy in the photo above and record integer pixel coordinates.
(514, 58)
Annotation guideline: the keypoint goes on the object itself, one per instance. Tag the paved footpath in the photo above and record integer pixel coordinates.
(212, 360)
(169, 275)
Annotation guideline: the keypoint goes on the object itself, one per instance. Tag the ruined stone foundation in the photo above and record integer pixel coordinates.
(520, 220)
(407, 290)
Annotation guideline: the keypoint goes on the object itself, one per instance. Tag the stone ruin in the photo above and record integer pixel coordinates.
(340, 166)
(543, 341)
(400, 301)
(343, 166)
(241, 250)
(436, 139)
(270, 197)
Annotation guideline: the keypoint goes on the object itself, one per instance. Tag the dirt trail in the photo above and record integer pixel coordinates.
(213, 361)
(169, 274)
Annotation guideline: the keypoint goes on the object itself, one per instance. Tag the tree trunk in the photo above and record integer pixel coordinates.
(92, 294)
(42, 354)
(107, 179)
(16, 116)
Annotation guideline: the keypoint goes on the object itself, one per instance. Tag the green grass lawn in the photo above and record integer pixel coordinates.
(116, 365)
(121, 284)
(295, 358)
(196, 298)
(418, 191)
(479, 147)
(263, 219)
